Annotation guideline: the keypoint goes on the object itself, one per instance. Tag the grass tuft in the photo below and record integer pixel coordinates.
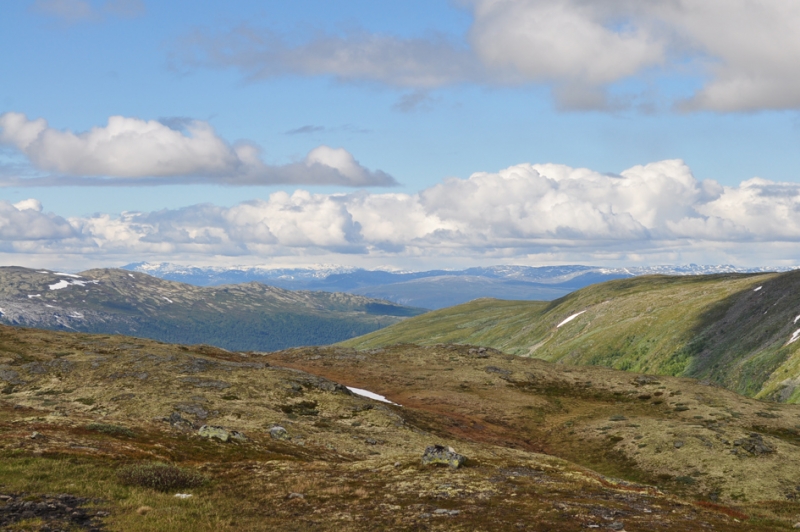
(160, 477)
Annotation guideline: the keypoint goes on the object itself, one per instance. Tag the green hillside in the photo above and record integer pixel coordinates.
(249, 316)
(733, 330)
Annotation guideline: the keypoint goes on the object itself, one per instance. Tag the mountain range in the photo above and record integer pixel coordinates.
(433, 289)
(248, 316)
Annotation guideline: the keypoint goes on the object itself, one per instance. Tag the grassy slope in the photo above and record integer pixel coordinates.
(240, 317)
(712, 327)
(356, 462)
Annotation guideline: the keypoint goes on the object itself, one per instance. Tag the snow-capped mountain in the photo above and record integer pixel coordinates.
(428, 289)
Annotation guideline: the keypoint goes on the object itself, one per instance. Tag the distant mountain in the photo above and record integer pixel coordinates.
(249, 316)
(740, 331)
(433, 289)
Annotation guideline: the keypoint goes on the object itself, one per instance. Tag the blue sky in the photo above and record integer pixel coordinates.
(364, 133)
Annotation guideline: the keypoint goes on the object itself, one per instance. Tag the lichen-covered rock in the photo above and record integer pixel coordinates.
(222, 434)
(439, 454)
(754, 444)
(279, 433)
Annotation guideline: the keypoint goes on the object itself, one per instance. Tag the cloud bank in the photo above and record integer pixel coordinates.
(522, 212)
(742, 55)
(174, 151)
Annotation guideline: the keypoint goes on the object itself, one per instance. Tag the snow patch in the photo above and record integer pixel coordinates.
(167, 299)
(43, 272)
(570, 319)
(795, 336)
(65, 283)
(132, 277)
(49, 306)
(796, 318)
(31, 296)
(757, 289)
(370, 395)
(69, 275)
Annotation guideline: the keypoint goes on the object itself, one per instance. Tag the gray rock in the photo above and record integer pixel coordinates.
(220, 433)
(755, 444)
(439, 454)
(178, 421)
(192, 408)
(279, 433)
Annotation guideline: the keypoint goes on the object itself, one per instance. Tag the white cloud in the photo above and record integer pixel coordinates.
(528, 210)
(24, 221)
(742, 54)
(130, 150)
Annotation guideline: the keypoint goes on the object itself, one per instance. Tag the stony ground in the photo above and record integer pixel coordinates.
(548, 447)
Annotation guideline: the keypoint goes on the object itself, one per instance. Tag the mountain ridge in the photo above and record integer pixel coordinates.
(734, 330)
(432, 289)
(246, 316)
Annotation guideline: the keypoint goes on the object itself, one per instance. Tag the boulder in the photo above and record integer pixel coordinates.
(279, 433)
(222, 434)
(439, 454)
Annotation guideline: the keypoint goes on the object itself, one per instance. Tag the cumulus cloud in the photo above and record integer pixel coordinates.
(742, 54)
(177, 150)
(522, 211)
(25, 221)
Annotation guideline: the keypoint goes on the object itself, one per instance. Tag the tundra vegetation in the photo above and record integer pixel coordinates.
(739, 331)
(102, 432)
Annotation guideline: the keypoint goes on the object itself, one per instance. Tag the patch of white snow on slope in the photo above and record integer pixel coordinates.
(570, 319)
(69, 275)
(796, 318)
(168, 299)
(31, 296)
(371, 395)
(757, 289)
(795, 336)
(64, 283)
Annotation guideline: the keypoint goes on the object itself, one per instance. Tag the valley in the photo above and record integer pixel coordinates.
(249, 316)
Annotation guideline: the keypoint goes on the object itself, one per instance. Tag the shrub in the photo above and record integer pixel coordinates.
(112, 430)
(161, 477)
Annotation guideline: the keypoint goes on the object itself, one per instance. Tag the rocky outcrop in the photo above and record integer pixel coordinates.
(439, 454)
(222, 434)
(279, 433)
(754, 444)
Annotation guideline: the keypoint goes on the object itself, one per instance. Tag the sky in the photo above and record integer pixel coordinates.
(399, 134)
